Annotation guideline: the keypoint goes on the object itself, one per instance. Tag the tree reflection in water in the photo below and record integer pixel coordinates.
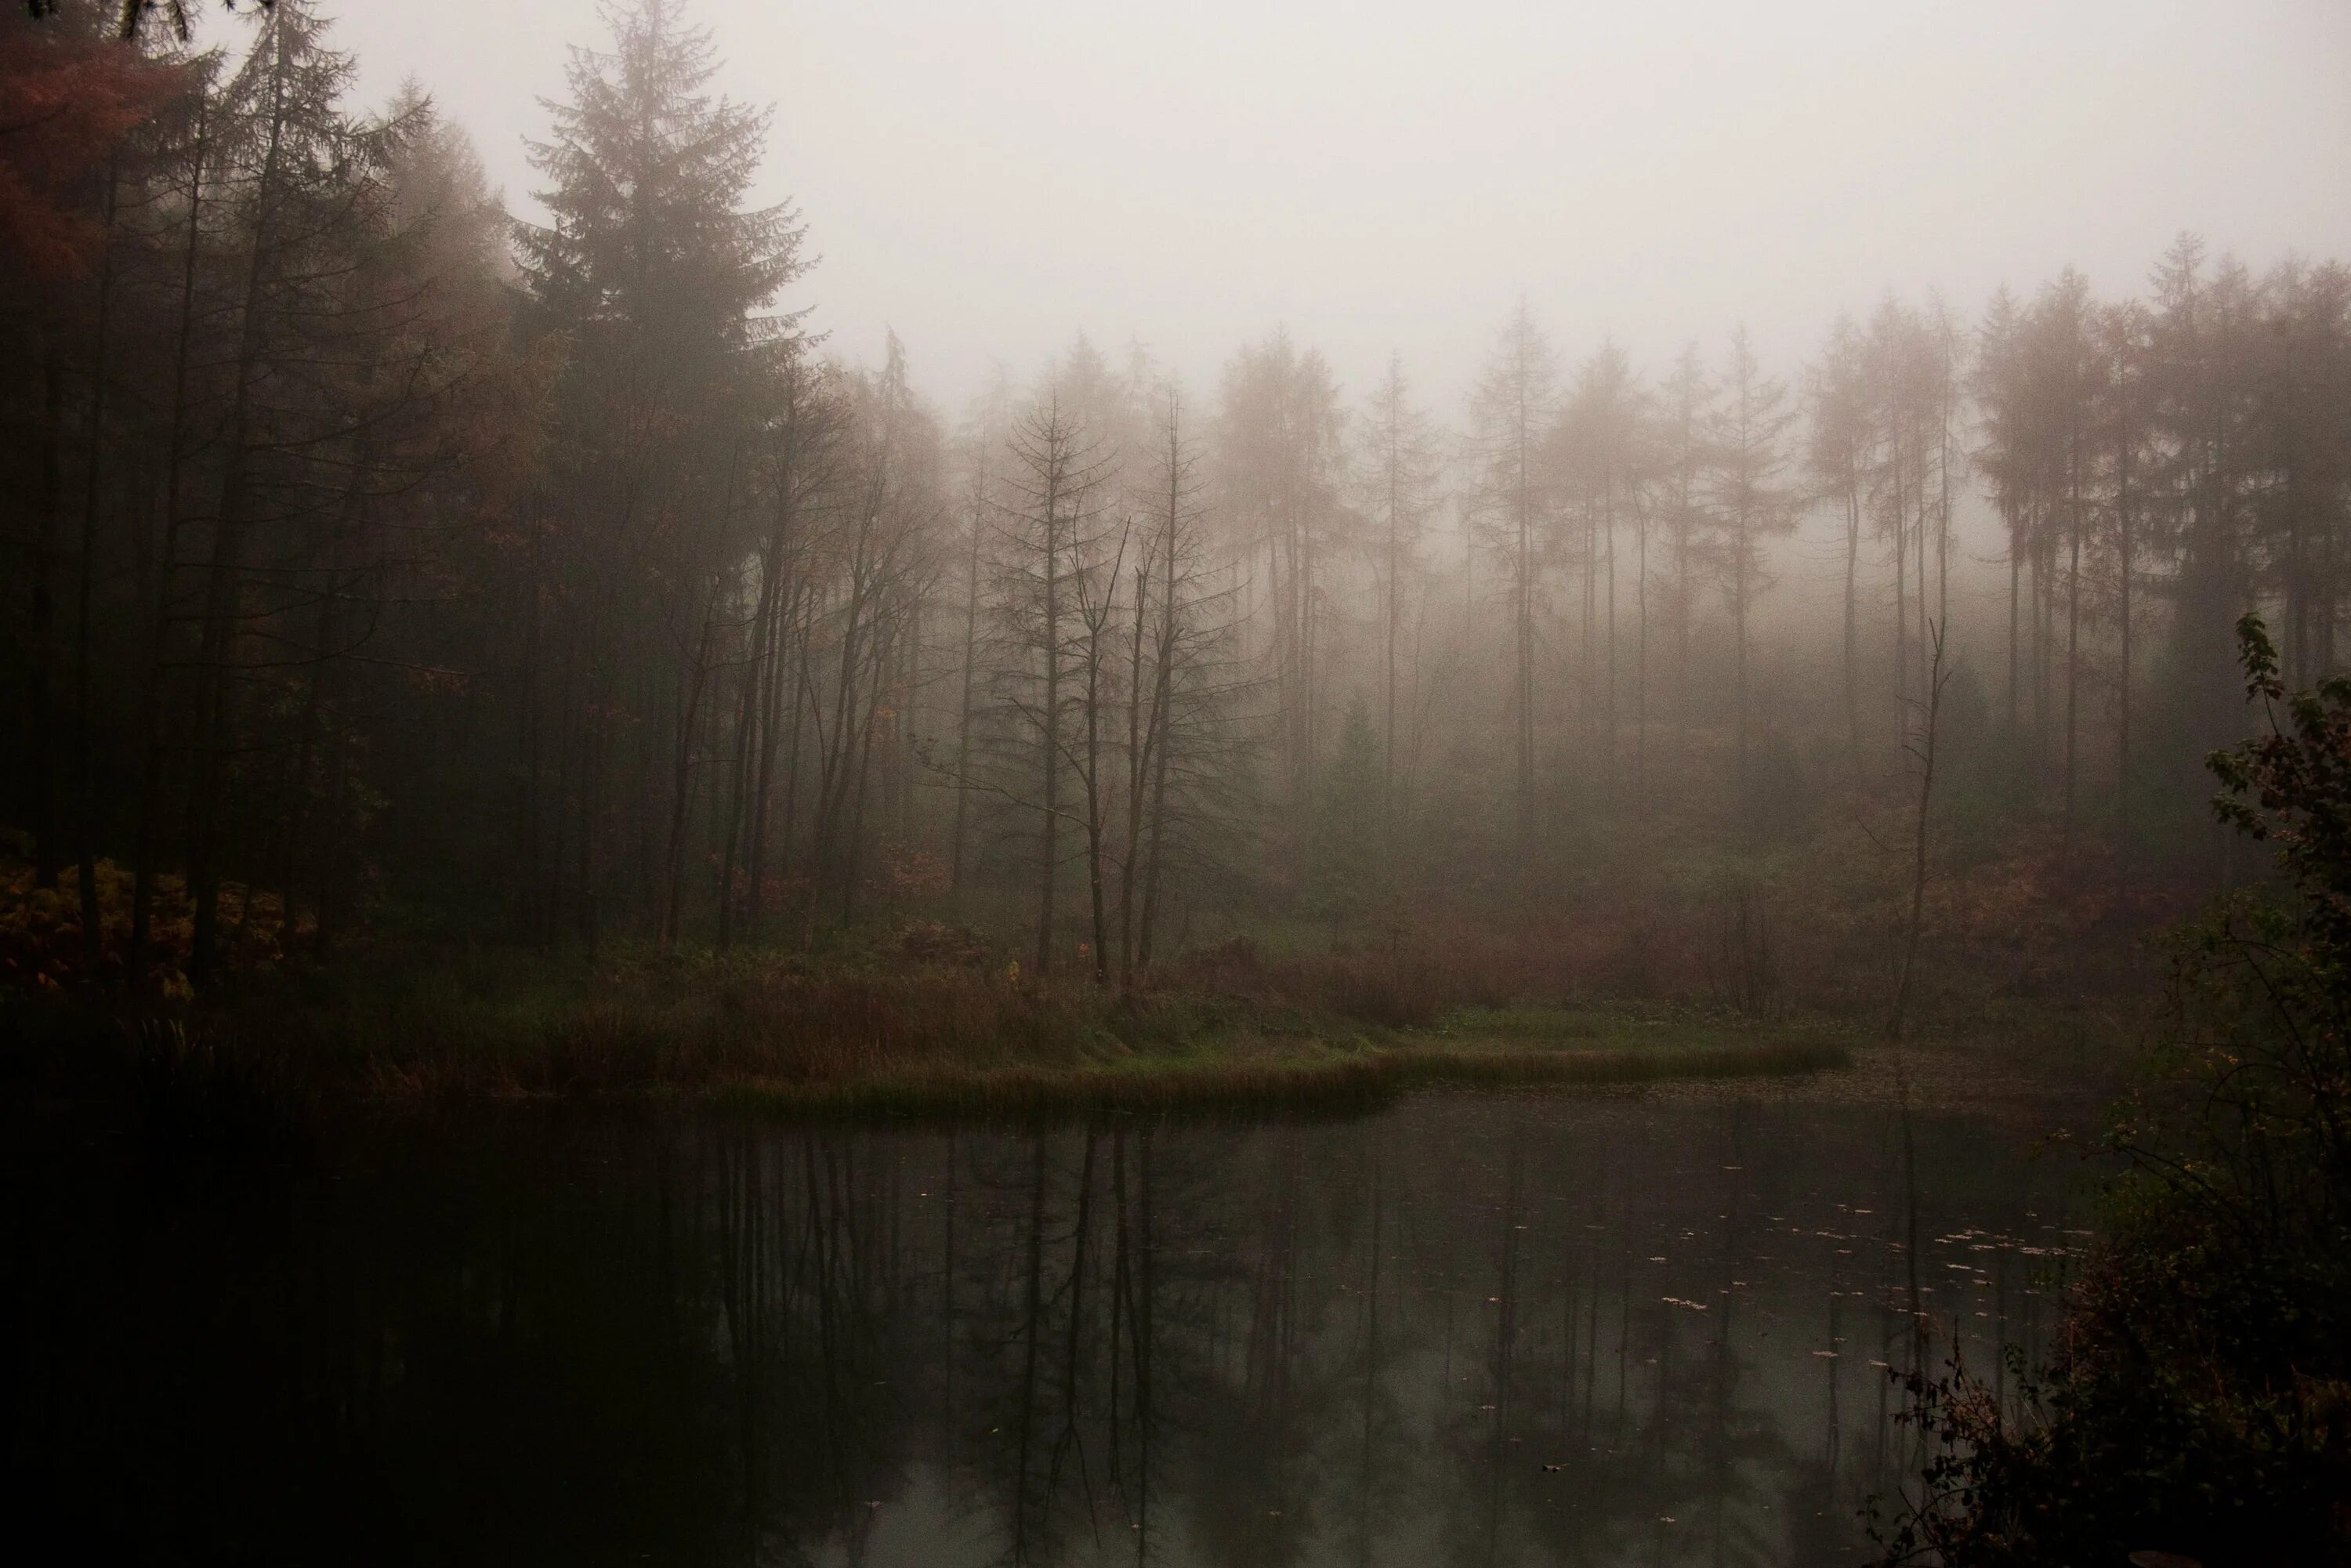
(1473, 1330)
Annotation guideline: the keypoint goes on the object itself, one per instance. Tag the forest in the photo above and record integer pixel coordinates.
(386, 559)
(460, 645)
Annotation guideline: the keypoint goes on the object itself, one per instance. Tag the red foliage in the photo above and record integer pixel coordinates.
(67, 99)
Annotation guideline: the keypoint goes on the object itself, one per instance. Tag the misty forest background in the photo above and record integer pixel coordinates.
(383, 568)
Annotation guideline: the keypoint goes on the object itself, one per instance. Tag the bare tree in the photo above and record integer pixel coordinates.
(1050, 537)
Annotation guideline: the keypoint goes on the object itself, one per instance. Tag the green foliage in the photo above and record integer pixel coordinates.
(2204, 1406)
(2291, 788)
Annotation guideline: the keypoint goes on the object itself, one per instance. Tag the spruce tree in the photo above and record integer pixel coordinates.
(654, 280)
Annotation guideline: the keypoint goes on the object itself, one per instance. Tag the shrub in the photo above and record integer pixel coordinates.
(2203, 1402)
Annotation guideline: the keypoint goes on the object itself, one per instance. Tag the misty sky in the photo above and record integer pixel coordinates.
(991, 178)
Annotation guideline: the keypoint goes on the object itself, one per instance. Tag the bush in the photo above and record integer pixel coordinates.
(2203, 1402)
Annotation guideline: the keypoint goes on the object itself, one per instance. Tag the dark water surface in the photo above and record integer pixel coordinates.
(1475, 1330)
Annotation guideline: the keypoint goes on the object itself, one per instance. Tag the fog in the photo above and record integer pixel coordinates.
(1113, 477)
(990, 180)
(1041, 571)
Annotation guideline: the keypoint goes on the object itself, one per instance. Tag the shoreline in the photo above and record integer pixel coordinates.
(1357, 1082)
(1180, 1054)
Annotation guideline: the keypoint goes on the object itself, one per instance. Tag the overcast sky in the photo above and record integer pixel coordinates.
(991, 178)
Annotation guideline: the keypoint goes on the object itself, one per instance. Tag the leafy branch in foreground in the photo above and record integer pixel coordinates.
(2203, 1402)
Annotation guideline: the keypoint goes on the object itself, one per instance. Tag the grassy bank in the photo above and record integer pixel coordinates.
(872, 1033)
(1362, 1080)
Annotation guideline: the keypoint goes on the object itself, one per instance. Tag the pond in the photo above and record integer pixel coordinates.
(1479, 1329)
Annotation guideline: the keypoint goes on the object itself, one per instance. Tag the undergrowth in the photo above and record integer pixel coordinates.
(875, 1029)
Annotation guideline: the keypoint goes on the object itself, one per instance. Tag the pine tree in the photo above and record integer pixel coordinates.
(658, 280)
(2126, 437)
(1688, 414)
(305, 191)
(1751, 506)
(1512, 412)
(1599, 460)
(1278, 458)
(1837, 454)
(1397, 465)
(2065, 371)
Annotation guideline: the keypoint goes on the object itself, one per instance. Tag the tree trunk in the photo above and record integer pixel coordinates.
(2015, 581)
(1935, 678)
(1641, 651)
(682, 777)
(2124, 569)
(962, 714)
(1526, 545)
(2072, 633)
(1853, 613)
(213, 697)
(1163, 721)
(85, 784)
(1395, 557)
(1138, 768)
(48, 855)
(738, 780)
(1050, 740)
(1094, 824)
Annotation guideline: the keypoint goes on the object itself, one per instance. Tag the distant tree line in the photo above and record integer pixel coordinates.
(376, 555)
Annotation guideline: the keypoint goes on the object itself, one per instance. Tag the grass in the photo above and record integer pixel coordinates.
(896, 1030)
(839, 1038)
(1526, 1022)
(1362, 1080)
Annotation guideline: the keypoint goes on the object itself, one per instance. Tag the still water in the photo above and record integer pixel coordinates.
(1474, 1329)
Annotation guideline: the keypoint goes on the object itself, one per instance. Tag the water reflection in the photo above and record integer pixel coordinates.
(1472, 1331)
